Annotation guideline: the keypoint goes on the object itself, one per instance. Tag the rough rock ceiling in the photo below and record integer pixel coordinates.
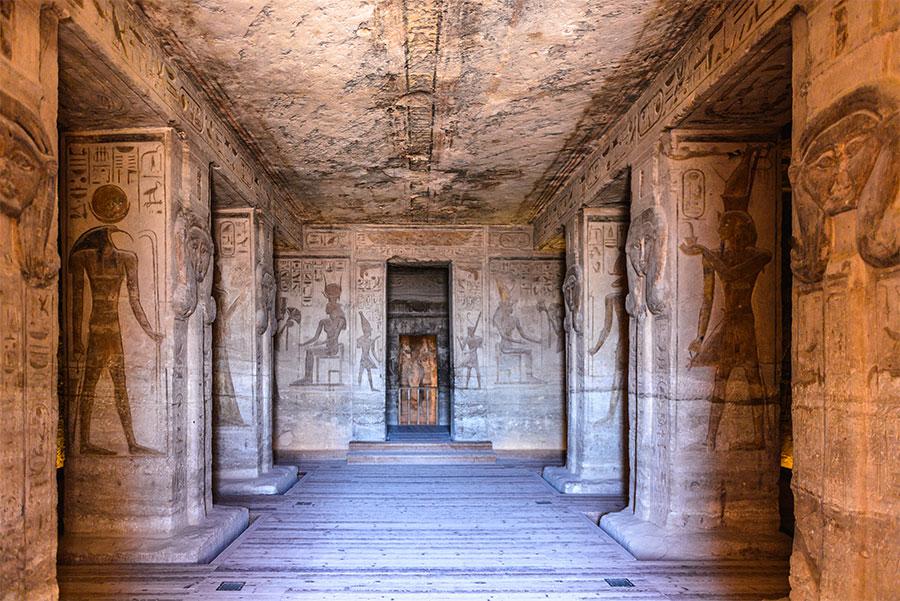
(452, 111)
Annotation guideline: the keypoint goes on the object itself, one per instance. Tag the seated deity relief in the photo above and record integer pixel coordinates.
(848, 159)
(28, 191)
(514, 337)
(332, 325)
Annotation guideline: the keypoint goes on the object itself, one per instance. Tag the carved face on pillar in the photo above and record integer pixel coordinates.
(23, 168)
(571, 289)
(646, 251)
(847, 160)
(266, 313)
(200, 248)
(27, 190)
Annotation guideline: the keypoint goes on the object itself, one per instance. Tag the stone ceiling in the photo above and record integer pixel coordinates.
(438, 111)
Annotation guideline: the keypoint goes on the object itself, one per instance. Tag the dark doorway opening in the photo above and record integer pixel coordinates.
(418, 348)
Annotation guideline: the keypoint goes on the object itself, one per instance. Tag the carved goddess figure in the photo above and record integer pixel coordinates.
(96, 257)
(334, 322)
(848, 160)
(508, 325)
(27, 191)
(737, 265)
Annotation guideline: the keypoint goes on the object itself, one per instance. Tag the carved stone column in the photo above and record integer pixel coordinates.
(845, 176)
(703, 274)
(29, 267)
(247, 319)
(137, 254)
(596, 329)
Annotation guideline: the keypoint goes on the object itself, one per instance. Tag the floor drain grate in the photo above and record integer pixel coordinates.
(619, 582)
(230, 586)
(544, 502)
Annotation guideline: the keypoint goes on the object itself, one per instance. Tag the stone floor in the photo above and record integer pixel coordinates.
(466, 532)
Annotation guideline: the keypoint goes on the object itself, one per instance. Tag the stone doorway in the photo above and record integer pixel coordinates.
(417, 398)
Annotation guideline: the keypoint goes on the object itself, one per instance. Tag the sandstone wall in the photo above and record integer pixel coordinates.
(497, 283)
(28, 299)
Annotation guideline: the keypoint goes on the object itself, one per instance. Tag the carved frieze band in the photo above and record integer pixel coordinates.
(696, 67)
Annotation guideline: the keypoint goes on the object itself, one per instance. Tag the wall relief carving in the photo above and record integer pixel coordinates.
(28, 191)
(848, 160)
(97, 259)
(735, 263)
(645, 247)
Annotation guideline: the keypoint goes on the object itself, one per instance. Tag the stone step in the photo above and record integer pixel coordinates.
(435, 453)
(409, 445)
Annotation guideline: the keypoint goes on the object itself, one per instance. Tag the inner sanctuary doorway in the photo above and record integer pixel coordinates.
(418, 351)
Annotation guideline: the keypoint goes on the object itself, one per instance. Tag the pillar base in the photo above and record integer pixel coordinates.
(192, 544)
(274, 482)
(645, 540)
(567, 482)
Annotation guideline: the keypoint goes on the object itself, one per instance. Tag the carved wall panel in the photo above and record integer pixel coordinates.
(526, 322)
(115, 247)
(369, 327)
(234, 350)
(319, 355)
(469, 324)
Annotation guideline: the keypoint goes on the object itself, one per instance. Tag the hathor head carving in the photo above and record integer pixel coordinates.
(847, 159)
(27, 189)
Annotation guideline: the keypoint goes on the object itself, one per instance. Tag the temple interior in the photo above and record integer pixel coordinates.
(450, 299)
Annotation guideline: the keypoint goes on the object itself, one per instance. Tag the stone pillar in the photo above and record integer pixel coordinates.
(137, 283)
(596, 328)
(703, 273)
(242, 352)
(846, 329)
(29, 266)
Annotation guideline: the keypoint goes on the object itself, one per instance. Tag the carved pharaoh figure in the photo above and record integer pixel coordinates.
(469, 346)
(227, 412)
(367, 354)
(847, 159)
(96, 257)
(737, 265)
(27, 191)
(571, 290)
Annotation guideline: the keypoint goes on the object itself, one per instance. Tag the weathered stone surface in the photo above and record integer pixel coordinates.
(596, 336)
(246, 320)
(431, 105)
(506, 327)
(136, 309)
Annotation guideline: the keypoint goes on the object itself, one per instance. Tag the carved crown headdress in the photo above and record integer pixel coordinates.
(736, 196)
